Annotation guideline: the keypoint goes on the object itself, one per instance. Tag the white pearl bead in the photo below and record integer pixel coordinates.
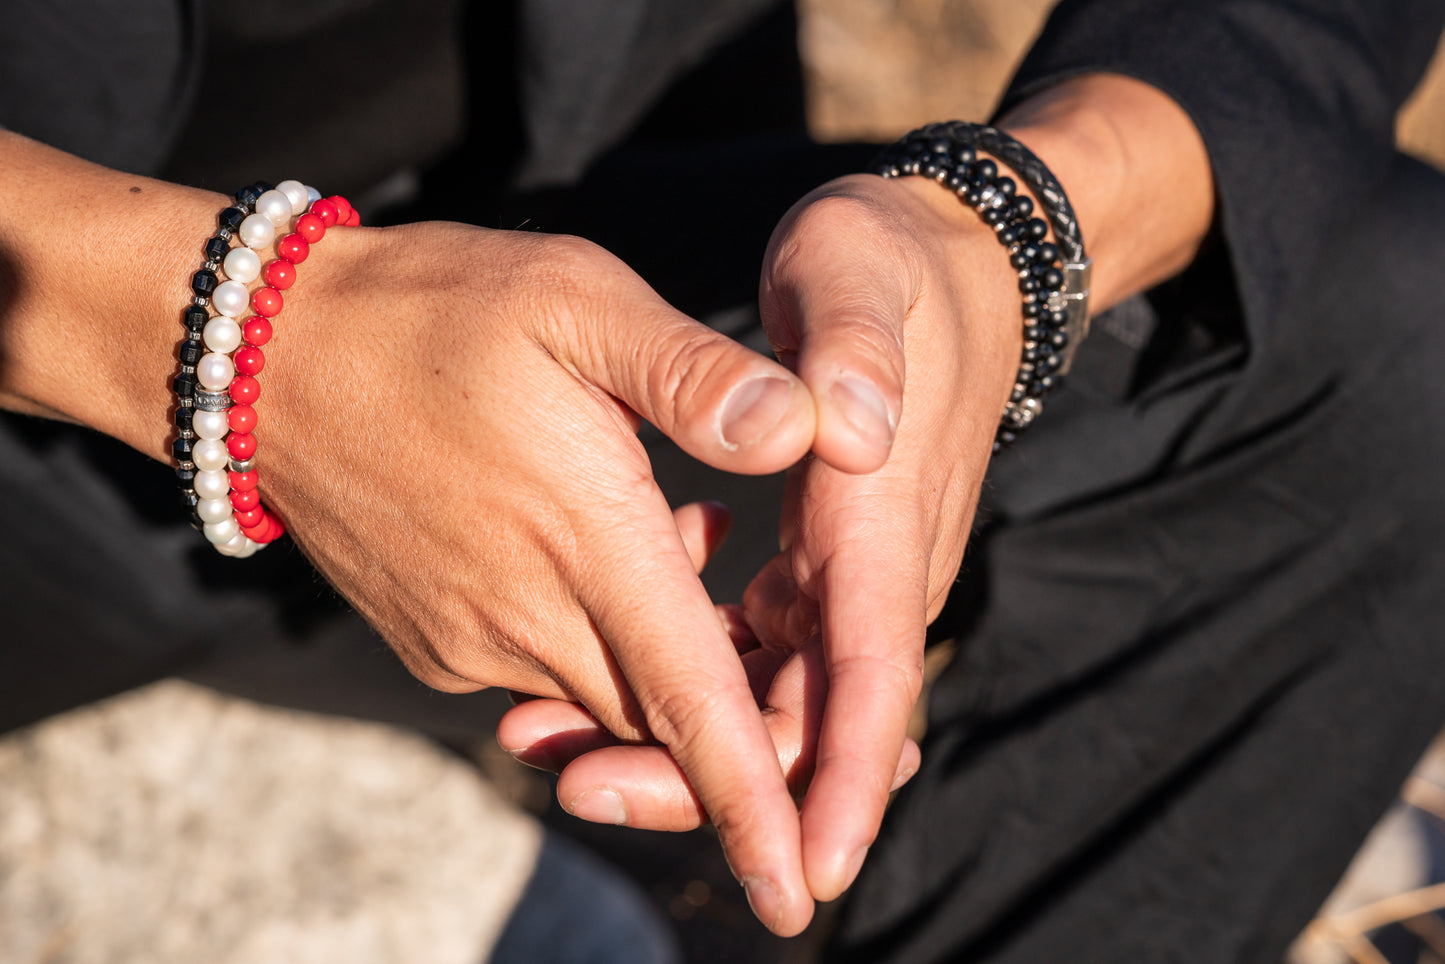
(242, 264)
(222, 334)
(257, 231)
(238, 548)
(215, 372)
(312, 195)
(221, 532)
(214, 510)
(230, 298)
(295, 191)
(274, 205)
(211, 425)
(212, 485)
(210, 455)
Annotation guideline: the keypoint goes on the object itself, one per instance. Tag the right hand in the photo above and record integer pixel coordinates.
(448, 432)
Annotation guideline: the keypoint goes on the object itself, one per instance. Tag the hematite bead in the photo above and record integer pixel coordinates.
(230, 219)
(1010, 234)
(1033, 310)
(1057, 318)
(181, 449)
(1048, 252)
(1051, 278)
(1037, 229)
(1059, 339)
(1019, 260)
(203, 282)
(247, 195)
(184, 385)
(1028, 285)
(984, 171)
(955, 182)
(1023, 207)
(183, 419)
(191, 352)
(1005, 186)
(216, 248)
(1035, 333)
(992, 216)
(973, 197)
(186, 477)
(195, 317)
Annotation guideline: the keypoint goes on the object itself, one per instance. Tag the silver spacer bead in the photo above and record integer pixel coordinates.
(185, 433)
(225, 234)
(186, 464)
(201, 302)
(188, 369)
(239, 466)
(213, 401)
(211, 265)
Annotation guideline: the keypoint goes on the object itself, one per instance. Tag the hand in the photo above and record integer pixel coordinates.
(897, 307)
(449, 436)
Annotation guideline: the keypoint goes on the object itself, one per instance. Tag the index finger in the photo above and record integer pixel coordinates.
(683, 668)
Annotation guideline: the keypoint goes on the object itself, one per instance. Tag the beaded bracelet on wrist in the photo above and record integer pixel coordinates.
(216, 388)
(1053, 275)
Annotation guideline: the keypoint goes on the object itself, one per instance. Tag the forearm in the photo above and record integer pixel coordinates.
(95, 268)
(1136, 173)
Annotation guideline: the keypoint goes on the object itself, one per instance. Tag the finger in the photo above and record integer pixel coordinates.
(685, 674)
(549, 734)
(835, 290)
(721, 402)
(703, 527)
(873, 601)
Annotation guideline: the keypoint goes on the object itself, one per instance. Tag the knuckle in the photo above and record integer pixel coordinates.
(684, 714)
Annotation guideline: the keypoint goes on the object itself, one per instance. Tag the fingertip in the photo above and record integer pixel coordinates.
(856, 424)
(765, 423)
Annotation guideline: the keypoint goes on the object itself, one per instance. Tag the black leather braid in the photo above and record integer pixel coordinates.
(1053, 275)
(1026, 164)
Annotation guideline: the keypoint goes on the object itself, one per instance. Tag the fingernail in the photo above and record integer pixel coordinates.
(765, 901)
(599, 806)
(902, 778)
(863, 407)
(534, 757)
(855, 864)
(753, 410)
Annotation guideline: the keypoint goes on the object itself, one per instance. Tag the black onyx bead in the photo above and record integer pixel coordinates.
(189, 500)
(992, 216)
(939, 145)
(197, 522)
(191, 352)
(246, 196)
(1019, 260)
(216, 248)
(1059, 339)
(1052, 278)
(1028, 285)
(930, 170)
(1035, 333)
(203, 282)
(1030, 251)
(1057, 318)
(1006, 186)
(984, 171)
(1018, 394)
(1032, 354)
(965, 154)
(181, 448)
(1023, 207)
(954, 182)
(1033, 310)
(1048, 252)
(183, 418)
(1007, 438)
(1046, 383)
(186, 477)
(185, 385)
(263, 186)
(1037, 229)
(231, 218)
(195, 317)
(1009, 236)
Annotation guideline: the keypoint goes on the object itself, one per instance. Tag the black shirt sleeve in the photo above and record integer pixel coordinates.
(1295, 100)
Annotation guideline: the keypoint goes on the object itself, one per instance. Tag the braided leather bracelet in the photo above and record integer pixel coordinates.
(1053, 276)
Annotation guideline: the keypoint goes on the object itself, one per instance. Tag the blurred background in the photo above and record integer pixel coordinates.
(173, 824)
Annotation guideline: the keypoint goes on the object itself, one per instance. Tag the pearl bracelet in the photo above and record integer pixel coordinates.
(220, 357)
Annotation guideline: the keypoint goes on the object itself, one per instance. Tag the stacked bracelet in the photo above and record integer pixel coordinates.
(1053, 275)
(220, 357)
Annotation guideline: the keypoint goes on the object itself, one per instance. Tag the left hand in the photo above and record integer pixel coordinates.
(898, 308)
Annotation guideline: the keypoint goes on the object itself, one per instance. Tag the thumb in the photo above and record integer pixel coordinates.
(835, 290)
(724, 404)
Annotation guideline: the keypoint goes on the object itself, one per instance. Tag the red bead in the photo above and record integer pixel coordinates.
(280, 274)
(241, 445)
(256, 331)
(255, 533)
(343, 208)
(354, 220)
(244, 500)
(294, 248)
(252, 516)
(311, 227)
(249, 361)
(326, 211)
(245, 390)
(267, 302)
(242, 418)
(244, 482)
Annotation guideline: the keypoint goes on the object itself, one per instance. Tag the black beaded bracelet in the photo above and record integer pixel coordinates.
(1053, 275)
